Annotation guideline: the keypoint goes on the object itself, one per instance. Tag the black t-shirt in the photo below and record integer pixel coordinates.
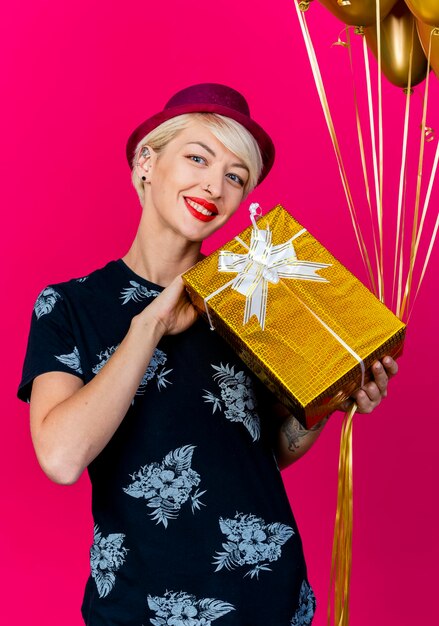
(192, 522)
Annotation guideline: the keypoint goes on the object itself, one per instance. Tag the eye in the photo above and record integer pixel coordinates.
(197, 159)
(236, 179)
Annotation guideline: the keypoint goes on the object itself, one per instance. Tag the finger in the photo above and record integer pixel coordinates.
(364, 403)
(362, 400)
(373, 392)
(345, 405)
(381, 379)
(390, 365)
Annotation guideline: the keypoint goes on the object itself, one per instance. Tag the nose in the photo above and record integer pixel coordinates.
(214, 182)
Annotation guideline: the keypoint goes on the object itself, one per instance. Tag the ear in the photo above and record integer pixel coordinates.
(146, 156)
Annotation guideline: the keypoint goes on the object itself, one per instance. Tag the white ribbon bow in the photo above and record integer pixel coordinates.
(263, 264)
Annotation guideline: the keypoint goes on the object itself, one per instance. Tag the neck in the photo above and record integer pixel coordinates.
(159, 255)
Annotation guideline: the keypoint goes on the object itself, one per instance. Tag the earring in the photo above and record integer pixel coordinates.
(143, 177)
(145, 152)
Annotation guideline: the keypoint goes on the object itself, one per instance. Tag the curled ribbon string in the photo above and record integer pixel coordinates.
(340, 41)
(254, 210)
(342, 545)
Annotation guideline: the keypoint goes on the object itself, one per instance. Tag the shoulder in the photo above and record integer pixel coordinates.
(75, 289)
(100, 276)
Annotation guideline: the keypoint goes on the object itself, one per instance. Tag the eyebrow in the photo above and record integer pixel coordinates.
(210, 151)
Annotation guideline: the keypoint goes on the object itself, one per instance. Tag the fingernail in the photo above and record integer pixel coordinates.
(378, 367)
(387, 361)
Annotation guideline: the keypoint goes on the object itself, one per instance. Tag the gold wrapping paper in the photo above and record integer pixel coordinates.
(296, 356)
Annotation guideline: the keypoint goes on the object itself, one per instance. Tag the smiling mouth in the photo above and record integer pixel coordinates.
(201, 209)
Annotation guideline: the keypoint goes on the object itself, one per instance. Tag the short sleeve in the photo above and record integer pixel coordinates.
(51, 345)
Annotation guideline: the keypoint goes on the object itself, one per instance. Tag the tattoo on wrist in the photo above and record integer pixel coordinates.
(295, 432)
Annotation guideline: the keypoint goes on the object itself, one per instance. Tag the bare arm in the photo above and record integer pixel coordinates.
(72, 422)
(294, 440)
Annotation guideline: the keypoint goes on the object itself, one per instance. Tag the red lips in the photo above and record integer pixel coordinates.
(205, 204)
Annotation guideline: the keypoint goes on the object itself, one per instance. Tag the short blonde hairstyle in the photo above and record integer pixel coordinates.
(232, 135)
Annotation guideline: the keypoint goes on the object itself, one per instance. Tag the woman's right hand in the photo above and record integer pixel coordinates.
(171, 310)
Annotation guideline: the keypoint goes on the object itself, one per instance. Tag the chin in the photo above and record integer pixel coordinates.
(198, 239)
(195, 236)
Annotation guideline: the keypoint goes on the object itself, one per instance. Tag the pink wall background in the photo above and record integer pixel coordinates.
(76, 79)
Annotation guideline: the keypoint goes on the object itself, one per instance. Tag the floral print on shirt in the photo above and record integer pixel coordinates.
(158, 358)
(183, 609)
(46, 301)
(250, 541)
(103, 357)
(168, 485)
(107, 555)
(72, 360)
(137, 293)
(307, 606)
(152, 371)
(238, 401)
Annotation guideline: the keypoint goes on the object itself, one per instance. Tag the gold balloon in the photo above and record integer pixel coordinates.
(424, 31)
(358, 12)
(426, 11)
(396, 41)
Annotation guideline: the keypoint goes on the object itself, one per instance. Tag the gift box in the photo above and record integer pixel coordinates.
(300, 320)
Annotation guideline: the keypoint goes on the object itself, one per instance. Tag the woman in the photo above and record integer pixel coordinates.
(192, 523)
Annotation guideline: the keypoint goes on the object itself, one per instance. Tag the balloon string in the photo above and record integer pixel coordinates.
(325, 106)
(401, 250)
(340, 42)
(428, 194)
(417, 228)
(433, 237)
(341, 562)
(363, 156)
(381, 146)
(402, 182)
(374, 156)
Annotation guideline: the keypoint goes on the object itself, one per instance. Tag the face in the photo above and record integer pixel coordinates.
(195, 184)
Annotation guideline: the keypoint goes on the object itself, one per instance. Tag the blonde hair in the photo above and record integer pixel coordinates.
(232, 135)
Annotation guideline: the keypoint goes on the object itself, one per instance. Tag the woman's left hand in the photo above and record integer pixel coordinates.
(371, 394)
